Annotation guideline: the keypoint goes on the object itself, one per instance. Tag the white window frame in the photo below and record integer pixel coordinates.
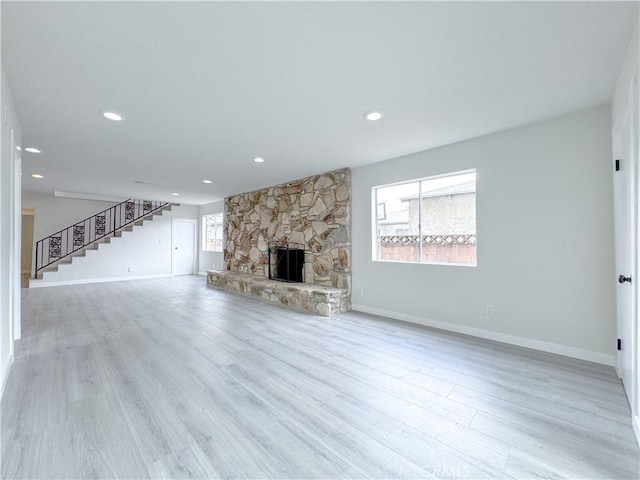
(374, 219)
(204, 231)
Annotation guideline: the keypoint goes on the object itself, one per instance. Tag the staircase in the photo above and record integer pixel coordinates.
(81, 238)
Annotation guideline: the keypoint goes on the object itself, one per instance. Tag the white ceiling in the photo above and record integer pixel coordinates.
(206, 87)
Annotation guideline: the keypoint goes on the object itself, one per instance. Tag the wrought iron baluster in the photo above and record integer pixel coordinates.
(78, 236)
(55, 247)
(100, 224)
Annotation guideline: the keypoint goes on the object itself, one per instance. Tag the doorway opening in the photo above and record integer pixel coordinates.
(28, 221)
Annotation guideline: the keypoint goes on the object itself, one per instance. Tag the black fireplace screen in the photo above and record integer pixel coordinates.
(286, 261)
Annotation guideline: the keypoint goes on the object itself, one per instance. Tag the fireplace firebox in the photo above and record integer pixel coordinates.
(286, 261)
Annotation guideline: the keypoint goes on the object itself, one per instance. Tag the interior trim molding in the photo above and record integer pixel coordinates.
(5, 374)
(87, 196)
(635, 421)
(43, 284)
(492, 335)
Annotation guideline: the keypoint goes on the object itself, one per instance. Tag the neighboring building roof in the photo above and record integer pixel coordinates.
(401, 216)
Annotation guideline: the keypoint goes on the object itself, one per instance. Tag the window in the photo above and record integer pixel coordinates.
(212, 232)
(428, 220)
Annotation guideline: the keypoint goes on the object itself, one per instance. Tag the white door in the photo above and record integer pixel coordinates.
(624, 183)
(184, 246)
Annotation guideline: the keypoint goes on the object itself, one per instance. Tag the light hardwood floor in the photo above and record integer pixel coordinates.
(168, 379)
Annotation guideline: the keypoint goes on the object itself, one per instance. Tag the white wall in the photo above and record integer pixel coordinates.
(629, 72)
(209, 259)
(52, 214)
(630, 69)
(143, 252)
(9, 230)
(545, 240)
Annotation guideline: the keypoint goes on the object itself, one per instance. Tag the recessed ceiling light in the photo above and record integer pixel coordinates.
(32, 150)
(18, 147)
(207, 181)
(115, 116)
(175, 194)
(258, 160)
(36, 175)
(373, 115)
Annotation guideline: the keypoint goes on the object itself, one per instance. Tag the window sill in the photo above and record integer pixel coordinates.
(447, 264)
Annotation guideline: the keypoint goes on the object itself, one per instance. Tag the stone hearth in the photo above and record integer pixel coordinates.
(304, 297)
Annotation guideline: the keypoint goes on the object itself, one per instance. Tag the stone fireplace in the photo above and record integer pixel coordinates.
(313, 212)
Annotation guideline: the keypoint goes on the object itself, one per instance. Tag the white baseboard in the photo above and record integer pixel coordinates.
(42, 284)
(202, 274)
(5, 374)
(635, 421)
(492, 335)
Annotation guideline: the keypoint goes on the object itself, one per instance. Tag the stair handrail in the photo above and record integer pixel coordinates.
(81, 234)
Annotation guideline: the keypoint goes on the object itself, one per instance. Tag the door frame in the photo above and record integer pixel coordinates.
(630, 112)
(174, 222)
(15, 264)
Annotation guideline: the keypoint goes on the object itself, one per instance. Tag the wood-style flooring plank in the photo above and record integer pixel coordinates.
(103, 442)
(165, 378)
(429, 455)
(588, 455)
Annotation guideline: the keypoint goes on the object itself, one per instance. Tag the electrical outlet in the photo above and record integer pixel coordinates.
(488, 309)
(362, 292)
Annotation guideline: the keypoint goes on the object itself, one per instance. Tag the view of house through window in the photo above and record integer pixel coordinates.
(212, 232)
(438, 228)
